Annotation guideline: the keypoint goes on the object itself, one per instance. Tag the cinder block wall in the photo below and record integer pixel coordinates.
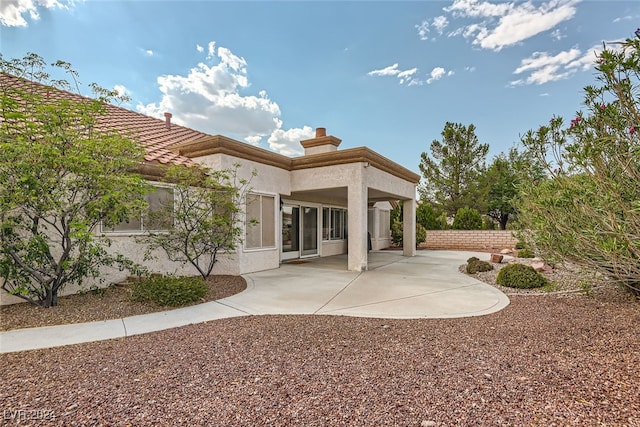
(470, 239)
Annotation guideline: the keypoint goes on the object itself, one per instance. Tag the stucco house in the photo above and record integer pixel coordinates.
(325, 202)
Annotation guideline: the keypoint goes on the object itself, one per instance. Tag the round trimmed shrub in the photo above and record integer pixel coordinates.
(169, 290)
(474, 265)
(467, 219)
(525, 253)
(520, 276)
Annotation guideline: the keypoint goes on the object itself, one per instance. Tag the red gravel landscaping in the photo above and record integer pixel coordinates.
(544, 360)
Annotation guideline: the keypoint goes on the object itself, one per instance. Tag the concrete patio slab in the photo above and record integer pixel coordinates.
(428, 285)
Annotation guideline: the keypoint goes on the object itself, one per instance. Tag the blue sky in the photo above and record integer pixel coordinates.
(382, 74)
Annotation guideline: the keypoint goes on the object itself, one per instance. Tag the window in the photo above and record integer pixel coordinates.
(334, 224)
(261, 222)
(384, 226)
(151, 220)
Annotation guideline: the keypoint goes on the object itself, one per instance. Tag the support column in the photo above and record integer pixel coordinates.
(357, 214)
(409, 227)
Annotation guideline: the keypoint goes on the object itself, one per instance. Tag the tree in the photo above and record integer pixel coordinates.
(203, 218)
(429, 217)
(501, 180)
(467, 219)
(451, 173)
(61, 176)
(588, 210)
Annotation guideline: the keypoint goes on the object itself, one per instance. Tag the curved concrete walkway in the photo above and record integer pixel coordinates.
(425, 286)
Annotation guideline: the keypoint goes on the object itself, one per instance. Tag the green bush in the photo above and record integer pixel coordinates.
(397, 232)
(169, 290)
(520, 276)
(525, 253)
(467, 219)
(429, 217)
(474, 265)
(520, 245)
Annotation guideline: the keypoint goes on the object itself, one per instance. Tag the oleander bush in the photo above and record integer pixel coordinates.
(169, 290)
(520, 276)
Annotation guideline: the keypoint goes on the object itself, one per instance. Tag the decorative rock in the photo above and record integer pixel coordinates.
(428, 423)
(541, 267)
(497, 258)
(506, 251)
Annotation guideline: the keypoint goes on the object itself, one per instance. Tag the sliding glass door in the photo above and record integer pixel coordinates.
(299, 231)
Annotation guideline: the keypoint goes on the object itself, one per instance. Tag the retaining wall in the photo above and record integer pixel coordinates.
(469, 239)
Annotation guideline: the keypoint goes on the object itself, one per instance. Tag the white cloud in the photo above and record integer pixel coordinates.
(12, 11)
(543, 68)
(557, 35)
(148, 52)
(406, 77)
(208, 98)
(211, 50)
(199, 48)
(508, 23)
(439, 23)
(423, 30)
(121, 90)
(288, 142)
(391, 70)
(437, 73)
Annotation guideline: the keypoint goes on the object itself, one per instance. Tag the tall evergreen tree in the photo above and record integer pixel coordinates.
(452, 170)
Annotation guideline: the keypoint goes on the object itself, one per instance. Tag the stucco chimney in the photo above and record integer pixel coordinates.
(321, 143)
(167, 120)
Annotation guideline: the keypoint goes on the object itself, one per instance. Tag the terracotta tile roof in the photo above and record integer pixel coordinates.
(152, 133)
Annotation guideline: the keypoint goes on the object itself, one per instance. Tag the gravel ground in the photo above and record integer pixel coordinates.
(114, 303)
(543, 360)
(562, 359)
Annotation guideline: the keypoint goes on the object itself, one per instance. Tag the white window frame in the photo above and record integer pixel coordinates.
(260, 223)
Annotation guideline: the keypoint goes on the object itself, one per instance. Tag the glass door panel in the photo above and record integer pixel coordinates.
(290, 232)
(309, 231)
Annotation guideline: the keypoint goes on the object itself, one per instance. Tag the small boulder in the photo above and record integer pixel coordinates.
(496, 258)
(541, 267)
(506, 251)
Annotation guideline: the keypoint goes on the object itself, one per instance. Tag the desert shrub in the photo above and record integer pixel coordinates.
(169, 290)
(474, 265)
(421, 234)
(525, 253)
(397, 232)
(467, 219)
(520, 245)
(586, 210)
(520, 276)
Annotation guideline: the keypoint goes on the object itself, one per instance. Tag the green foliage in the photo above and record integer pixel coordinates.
(525, 253)
(500, 183)
(169, 290)
(62, 176)
(475, 265)
(520, 276)
(467, 219)
(421, 234)
(520, 245)
(429, 217)
(397, 233)
(451, 172)
(204, 217)
(588, 209)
